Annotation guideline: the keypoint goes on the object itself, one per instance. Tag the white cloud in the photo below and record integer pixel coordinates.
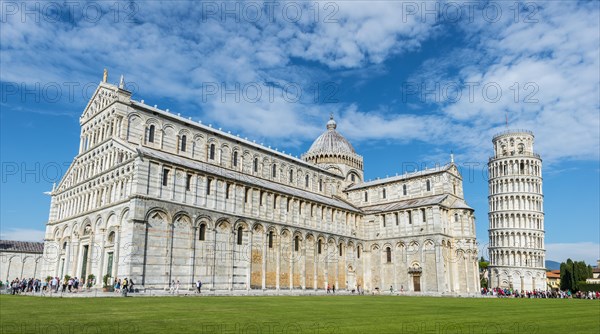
(554, 61)
(580, 251)
(169, 51)
(22, 234)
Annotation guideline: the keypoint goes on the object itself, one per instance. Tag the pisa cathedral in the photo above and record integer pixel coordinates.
(158, 198)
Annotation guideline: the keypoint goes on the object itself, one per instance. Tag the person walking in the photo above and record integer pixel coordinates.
(124, 287)
(199, 286)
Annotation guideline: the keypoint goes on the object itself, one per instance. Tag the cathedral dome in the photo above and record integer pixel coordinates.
(331, 142)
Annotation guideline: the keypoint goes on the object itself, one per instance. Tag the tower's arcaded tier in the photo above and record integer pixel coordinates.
(516, 213)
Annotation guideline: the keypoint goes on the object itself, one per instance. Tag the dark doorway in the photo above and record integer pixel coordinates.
(417, 283)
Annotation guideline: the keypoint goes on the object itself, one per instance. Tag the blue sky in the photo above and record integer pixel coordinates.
(408, 83)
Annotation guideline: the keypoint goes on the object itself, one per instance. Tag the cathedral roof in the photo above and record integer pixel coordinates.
(331, 142)
(437, 169)
(442, 199)
(21, 246)
(406, 204)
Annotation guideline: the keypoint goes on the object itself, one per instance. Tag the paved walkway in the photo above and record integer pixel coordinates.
(190, 293)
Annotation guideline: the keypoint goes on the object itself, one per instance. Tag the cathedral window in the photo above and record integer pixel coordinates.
(358, 252)
(320, 185)
(456, 217)
(151, 130)
(423, 215)
(275, 197)
(404, 190)
(235, 159)
(274, 170)
(111, 237)
(520, 148)
(352, 177)
(240, 235)
(247, 195)
(383, 219)
(383, 193)
(227, 187)
(319, 246)
(208, 183)
(306, 181)
(388, 254)
(366, 196)
(341, 248)
(165, 179)
(428, 185)
(296, 243)
(211, 153)
(291, 176)
(183, 144)
(396, 218)
(409, 217)
(202, 232)
(271, 239)
(188, 182)
(256, 165)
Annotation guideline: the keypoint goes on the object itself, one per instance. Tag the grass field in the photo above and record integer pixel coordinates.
(308, 314)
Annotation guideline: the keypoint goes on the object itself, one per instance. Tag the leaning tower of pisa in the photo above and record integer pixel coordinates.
(516, 213)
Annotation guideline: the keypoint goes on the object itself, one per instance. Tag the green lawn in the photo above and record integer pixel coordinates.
(310, 314)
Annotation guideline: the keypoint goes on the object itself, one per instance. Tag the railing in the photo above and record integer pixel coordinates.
(524, 154)
(515, 131)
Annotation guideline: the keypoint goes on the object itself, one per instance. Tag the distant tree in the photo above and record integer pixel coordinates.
(573, 272)
(483, 265)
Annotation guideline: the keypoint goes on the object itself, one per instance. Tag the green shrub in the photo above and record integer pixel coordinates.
(583, 286)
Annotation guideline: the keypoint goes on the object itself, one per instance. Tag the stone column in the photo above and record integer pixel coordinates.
(291, 262)
(249, 268)
(326, 264)
(439, 266)
(337, 269)
(100, 279)
(303, 259)
(117, 251)
(315, 265)
(465, 260)
(277, 261)
(214, 266)
(264, 260)
(232, 267)
(71, 265)
(193, 256)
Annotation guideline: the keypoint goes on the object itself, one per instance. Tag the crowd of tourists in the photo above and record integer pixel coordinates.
(123, 286)
(499, 292)
(35, 285)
